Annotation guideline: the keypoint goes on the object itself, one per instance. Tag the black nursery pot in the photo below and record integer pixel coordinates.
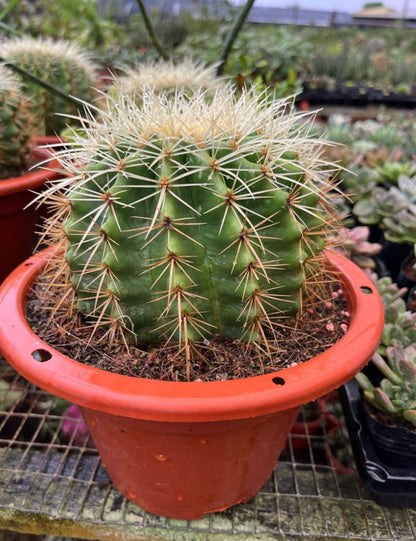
(385, 456)
(391, 258)
(407, 273)
(394, 445)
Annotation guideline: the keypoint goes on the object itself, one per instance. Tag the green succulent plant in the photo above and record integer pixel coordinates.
(400, 323)
(393, 209)
(390, 172)
(359, 182)
(382, 148)
(59, 63)
(381, 133)
(15, 124)
(396, 393)
(186, 219)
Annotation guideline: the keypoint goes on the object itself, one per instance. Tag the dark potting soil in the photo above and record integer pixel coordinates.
(345, 93)
(322, 324)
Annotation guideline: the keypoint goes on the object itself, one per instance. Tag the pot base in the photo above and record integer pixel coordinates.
(179, 467)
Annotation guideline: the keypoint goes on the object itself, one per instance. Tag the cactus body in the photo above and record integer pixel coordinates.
(190, 219)
(14, 125)
(61, 64)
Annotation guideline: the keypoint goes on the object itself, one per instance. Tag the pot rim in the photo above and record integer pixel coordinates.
(156, 400)
(35, 179)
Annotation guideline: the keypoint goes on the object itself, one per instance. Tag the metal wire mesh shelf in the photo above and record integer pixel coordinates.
(54, 483)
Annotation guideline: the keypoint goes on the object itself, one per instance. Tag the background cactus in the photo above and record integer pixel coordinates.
(168, 77)
(396, 393)
(61, 64)
(15, 124)
(187, 218)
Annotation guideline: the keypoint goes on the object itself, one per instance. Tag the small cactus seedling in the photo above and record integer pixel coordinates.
(167, 77)
(187, 218)
(15, 121)
(61, 64)
(396, 393)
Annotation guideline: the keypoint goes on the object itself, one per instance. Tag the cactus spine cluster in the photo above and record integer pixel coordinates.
(15, 121)
(167, 77)
(59, 63)
(186, 218)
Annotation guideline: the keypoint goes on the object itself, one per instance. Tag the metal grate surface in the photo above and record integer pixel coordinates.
(52, 482)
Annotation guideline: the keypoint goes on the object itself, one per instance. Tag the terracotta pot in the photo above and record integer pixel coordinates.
(43, 140)
(53, 142)
(17, 223)
(184, 449)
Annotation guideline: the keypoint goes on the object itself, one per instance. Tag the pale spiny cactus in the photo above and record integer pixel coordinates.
(168, 77)
(59, 63)
(15, 123)
(186, 218)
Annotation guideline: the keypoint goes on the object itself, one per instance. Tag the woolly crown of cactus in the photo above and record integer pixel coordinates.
(15, 123)
(166, 76)
(60, 63)
(183, 218)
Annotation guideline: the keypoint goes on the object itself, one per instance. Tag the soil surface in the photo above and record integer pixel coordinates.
(296, 340)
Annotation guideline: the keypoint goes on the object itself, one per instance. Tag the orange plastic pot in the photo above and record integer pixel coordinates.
(18, 223)
(186, 449)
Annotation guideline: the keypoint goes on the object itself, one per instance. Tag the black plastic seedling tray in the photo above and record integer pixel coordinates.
(390, 486)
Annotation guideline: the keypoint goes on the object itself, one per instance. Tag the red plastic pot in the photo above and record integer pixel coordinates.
(185, 449)
(17, 223)
(53, 142)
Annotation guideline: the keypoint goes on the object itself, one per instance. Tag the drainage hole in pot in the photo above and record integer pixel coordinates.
(278, 381)
(366, 290)
(41, 355)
